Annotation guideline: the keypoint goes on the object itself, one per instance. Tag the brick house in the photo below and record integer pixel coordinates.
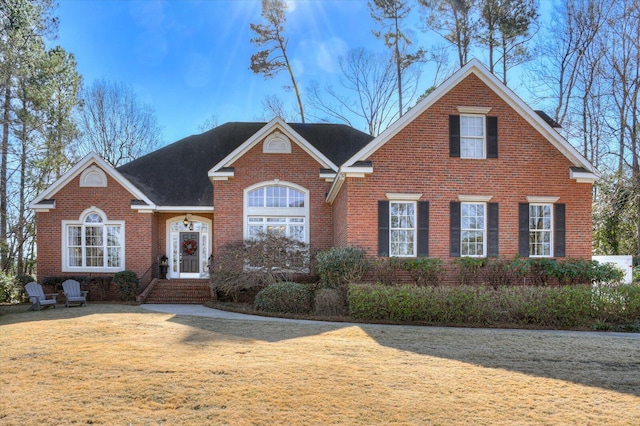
(471, 170)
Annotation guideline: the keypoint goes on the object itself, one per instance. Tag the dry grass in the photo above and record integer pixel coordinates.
(118, 364)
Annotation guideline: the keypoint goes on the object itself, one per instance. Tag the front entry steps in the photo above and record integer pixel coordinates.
(187, 291)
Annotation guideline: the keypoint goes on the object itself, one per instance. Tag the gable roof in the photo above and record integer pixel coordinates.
(44, 201)
(357, 165)
(478, 69)
(177, 174)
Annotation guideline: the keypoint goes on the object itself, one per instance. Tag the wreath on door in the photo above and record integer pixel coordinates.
(189, 247)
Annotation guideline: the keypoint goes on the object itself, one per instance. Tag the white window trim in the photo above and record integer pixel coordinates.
(485, 231)
(484, 137)
(474, 199)
(415, 226)
(551, 231)
(80, 222)
(474, 110)
(534, 199)
(276, 211)
(397, 196)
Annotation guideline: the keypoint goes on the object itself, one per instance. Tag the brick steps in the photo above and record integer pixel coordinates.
(179, 292)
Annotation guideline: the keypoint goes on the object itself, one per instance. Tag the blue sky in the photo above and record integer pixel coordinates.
(190, 59)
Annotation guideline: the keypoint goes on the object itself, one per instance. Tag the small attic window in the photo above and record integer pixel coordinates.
(93, 177)
(276, 143)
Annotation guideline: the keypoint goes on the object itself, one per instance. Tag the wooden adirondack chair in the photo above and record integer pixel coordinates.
(72, 292)
(38, 298)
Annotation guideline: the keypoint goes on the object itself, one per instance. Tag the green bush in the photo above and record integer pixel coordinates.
(386, 269)
(424, 270)
(558, 306)
(340, 266)
(10, 289)
(469, 269)
(23, 279)
(285, 297)
(127, 283)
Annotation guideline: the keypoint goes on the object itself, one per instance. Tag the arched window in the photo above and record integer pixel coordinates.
(93, 244)
(277, 208)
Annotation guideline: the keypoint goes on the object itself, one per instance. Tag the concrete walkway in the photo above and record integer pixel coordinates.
(203, 311)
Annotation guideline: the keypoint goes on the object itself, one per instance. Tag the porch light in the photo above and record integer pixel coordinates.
(187, 223)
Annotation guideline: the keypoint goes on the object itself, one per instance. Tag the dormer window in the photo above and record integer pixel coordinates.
(472, 140)
(473, 134)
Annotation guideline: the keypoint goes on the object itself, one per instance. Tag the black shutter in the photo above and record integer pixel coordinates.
(523, 230)
(423, 228)
(492, 225)
(454, 230)
(454, 136)
(383, 228)
(559, 247)
(492, 137)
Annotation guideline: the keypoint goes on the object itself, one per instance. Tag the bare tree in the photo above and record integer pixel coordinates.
(273, 106)
(455, 20)
(274, 58)
(368, 85)
(390, 14)
(115, 124)
(209, 123)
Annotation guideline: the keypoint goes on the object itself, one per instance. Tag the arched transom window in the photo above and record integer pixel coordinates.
(93, 243)
(277, 208)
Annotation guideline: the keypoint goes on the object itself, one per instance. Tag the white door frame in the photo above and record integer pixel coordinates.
(203, 227)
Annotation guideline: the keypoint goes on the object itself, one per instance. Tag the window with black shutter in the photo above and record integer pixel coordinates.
(454, 229)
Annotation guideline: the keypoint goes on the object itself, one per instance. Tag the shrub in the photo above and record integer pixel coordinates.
(10, 289)
(127, 283)
(20, 281)
(23, 279)
(498, 272)
(328, 302)
(559, 306)
(285, 297)
(469, 269)
(541, 271)
(386, 269)
(339, 266)
(424, 270)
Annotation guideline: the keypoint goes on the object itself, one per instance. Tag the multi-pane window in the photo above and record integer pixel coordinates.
(402, 217)
(276, 196)
(94, 244)
(290, 227)
(540, 226)
(277, 210)
(473, 229)
(472, 136)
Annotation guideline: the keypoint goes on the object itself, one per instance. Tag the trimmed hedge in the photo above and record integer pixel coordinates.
(562, 306)
(285, 297)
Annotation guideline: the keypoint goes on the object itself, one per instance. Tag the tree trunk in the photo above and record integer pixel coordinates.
(4, 255)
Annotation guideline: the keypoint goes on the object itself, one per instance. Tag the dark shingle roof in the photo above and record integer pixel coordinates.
(177, 174)
(550, 121)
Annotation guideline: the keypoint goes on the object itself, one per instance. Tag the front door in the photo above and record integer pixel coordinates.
(189, 252)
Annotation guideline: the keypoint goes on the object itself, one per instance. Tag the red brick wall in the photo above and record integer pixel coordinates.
(254, 167)
(417, 161)
(115, 202)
